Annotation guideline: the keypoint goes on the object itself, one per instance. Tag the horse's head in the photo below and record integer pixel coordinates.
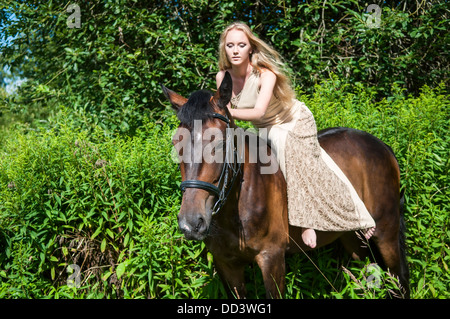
(200, 141)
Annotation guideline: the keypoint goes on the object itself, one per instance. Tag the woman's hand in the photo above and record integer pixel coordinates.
(267, 84)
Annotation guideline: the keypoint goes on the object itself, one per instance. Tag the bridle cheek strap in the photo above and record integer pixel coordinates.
(223, 193)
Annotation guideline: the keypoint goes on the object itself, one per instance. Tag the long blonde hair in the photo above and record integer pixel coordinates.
(263, 57)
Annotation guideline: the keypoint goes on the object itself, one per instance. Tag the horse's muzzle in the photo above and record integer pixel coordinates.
(193, 228)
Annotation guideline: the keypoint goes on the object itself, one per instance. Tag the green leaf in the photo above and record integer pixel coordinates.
(125, 240)
(110, 233)
(106, 276)
(120, 270)
(103, 245)
(97, 232)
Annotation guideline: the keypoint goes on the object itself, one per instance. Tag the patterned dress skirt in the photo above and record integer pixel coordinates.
(320, 196)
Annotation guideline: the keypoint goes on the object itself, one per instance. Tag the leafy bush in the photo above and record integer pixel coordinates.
(86, 178)
(110, 67)
(68, 198)
(108, 204)
(417, 130)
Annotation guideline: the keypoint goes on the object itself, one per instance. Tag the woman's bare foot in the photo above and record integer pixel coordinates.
(309, 237)
(369, 232)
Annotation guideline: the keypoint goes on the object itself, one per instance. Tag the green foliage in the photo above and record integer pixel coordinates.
(68, 198)
(110, 68)
(108, 204)
(86, 176)
(371, 283)
(417, 130)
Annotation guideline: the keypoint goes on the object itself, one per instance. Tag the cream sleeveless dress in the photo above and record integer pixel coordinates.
(320, 196)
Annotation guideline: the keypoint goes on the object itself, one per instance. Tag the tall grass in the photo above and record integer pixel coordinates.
(108, 204)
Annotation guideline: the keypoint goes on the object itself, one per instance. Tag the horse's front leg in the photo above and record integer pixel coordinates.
(272, 265)
(233, 279)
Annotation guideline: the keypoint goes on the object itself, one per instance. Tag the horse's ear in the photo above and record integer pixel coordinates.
(175, 99)
(223, 94)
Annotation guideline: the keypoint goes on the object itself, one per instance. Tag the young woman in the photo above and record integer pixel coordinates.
(319, 195)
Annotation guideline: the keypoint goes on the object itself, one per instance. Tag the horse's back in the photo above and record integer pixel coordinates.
(369, 164)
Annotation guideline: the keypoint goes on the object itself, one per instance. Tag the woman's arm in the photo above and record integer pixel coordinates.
(268, 80)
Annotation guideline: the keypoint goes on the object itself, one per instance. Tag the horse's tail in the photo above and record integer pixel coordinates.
(402, 202)
(402, 229)
(402, 237)
(402, 242)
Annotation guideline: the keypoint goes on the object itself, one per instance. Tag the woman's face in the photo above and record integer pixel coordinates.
(237, 47)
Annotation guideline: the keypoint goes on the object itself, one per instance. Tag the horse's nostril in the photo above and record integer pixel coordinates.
(199, 224)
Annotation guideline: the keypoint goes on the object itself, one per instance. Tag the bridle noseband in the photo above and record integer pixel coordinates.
(235, 167)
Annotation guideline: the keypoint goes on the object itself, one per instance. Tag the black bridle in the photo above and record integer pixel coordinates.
(232, 165)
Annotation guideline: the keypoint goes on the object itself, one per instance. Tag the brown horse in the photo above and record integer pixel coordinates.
(241, 214)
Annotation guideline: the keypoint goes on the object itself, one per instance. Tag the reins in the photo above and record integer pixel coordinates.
(234, 167)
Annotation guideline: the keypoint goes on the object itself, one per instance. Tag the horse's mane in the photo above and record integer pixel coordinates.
(196, 108)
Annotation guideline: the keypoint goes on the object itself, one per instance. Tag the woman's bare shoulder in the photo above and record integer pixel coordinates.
(266, 71)
(267, 76)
